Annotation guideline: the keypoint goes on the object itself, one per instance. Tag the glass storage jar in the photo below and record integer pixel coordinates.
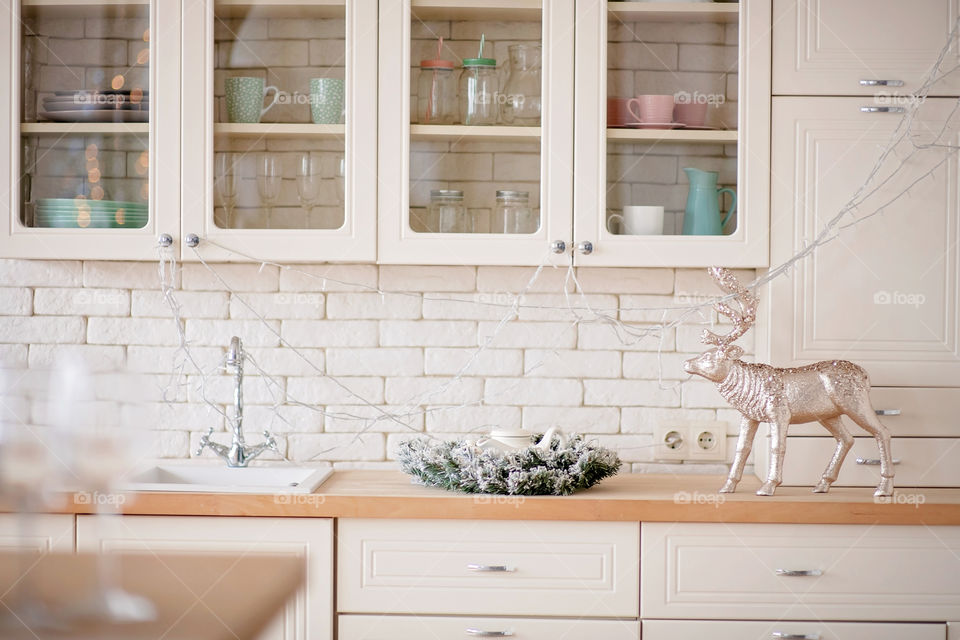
(522, 90)
(513, 213)
(437, 92)
(479, 85)
(446, 213)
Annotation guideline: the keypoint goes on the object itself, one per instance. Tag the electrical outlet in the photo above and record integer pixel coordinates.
(671, 443)
(694, 441)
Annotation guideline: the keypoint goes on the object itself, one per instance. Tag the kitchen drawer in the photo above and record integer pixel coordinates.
(868, 572)
(925, 412)
(353, 627)
(532, 568)
(924, 462)
(766, 630)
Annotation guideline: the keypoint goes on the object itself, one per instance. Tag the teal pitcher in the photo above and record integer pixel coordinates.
(702, 215)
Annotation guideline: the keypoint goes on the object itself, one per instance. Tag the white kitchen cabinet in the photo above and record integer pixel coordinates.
(357, 627)
(855, 46)
(886, 293)
(40, 532)
(799, 572)
(308, 615)
(738, 630)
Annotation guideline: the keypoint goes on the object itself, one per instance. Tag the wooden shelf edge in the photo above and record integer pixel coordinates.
(497, 132)
(675, 12)
(279, 129)
(469, 9)
(281, 8)
(48, 128)
(627, 136)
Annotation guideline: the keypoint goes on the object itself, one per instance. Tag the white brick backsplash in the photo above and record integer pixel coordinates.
(13, 356)
(39, 329)
(412, 278)
(145, 359)
(286, 305)
(364, 418)
(219, 389)
(373, 306)
(630, 448)
(688, 338)
(572, 419)
(513, 280)
(374, 362)
(482, 362)
(127, 331)
(472, 418)
(94, 357)
(126, 275)
(705, 57)
(286, 361)
(337, 446)
(561, 308)
(215, 332)
(81, 302)
(15, 301)
(698, 284)
(614, 280)
(533, 392)
(342, 390)
(629, 393)
(700, 395)
(476, 306)
(175, 416)
(330, 333)
(284, 419)
(559, 335)
(655, 366)
(193, 304)
(641, 55)
(647, 419)
(603, 336)
(424, 391)
(40, 273)
(427, 333)
(647, 309)
(334, 277)
(569, 363)
(238, 277)
(171, 444)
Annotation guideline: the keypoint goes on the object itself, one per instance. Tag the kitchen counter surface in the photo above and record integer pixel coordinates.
(627, 497)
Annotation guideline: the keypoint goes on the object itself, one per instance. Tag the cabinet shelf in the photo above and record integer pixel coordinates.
(447, 131)
(59, 128)
(281, 8)
(674, 11)
(497, 10)
(73, 8)
(278, 130)
(627, 136)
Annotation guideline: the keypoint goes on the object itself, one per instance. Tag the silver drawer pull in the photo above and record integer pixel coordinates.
(480, 633)
(882, 109)
(488, 568)
(887, 412)
(795, 636)
(794, 573)
(881, 83)
(874, 462)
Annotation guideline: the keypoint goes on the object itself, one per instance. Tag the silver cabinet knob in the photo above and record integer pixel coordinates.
(165, 240)
(585, 247)
(192, 240)
(882, 109)
(795, 636)
(795, 573)
(481, 633)
(558, 246)
(881, 83)
(874, 462)
(887, 412)
(488, 568)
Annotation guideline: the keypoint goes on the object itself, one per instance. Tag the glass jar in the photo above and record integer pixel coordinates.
(522, 90)
(437, 93)
(446, 213)
(479, 85)
(513, 213)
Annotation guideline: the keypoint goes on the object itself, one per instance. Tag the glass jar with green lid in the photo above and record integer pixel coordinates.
(479, 85)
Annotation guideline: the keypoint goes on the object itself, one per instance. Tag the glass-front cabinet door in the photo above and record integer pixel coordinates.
(672, 133)
(279, 118)
(90, 126)
(476, 131)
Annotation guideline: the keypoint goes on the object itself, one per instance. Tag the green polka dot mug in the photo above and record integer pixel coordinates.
(245, 98)
(326, 100)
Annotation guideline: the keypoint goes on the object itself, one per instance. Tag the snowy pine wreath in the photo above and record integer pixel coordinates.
(461, 465)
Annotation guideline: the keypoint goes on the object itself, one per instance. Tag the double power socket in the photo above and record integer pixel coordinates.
(695, 441)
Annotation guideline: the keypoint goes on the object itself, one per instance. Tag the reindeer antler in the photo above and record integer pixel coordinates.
(742, 319)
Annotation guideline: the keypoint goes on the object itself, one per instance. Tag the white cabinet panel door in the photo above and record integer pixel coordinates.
(824, 47)
(762, 630)
(40, 532)
(308, 615)
(353, 627)
(885, 293)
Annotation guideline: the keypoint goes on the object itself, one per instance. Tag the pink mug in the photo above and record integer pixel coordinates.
(654, 109)
(617, 112)
(691, 114)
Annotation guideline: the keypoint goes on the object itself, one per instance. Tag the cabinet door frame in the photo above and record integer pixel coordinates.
(748, 246)
(356, 240)
(399, 244)
(18, 241)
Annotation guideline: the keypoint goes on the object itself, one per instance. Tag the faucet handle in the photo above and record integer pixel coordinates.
(270, 441)
(204, 441)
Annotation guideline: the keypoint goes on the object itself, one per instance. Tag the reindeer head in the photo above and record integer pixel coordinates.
(714, 364)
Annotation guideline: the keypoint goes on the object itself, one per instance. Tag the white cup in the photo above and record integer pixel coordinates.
(513, 439)
(638, 220)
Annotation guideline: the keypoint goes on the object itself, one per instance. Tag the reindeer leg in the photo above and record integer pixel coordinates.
(778, 446)
(865, 416)
(748, 429)
(844, 442)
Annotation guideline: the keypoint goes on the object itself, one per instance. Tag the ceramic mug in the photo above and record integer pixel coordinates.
(513, 439)
(617, 112)
(639, 220)
(326, 100)
(692, 114)
(652, 109)
(245, 98)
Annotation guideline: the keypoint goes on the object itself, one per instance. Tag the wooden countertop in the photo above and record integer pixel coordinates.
(627, 497)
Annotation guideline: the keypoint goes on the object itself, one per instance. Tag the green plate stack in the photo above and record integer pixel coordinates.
(75, 213)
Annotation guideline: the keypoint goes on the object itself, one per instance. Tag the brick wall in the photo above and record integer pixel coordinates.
(397, 352)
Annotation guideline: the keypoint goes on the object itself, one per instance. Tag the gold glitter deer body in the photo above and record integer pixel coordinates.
(820, 392)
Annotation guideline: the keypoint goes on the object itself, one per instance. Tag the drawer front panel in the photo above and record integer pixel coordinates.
(924, 462)
(354, 627)
(500, 568)
(921, 412)
(766, 630)
(866, 573)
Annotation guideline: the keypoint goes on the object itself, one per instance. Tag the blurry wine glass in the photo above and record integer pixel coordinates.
(227, 182)
(309, 181)
(339, 179)
(269, 181)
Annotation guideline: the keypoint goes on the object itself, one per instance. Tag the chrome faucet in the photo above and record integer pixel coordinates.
(238, 454)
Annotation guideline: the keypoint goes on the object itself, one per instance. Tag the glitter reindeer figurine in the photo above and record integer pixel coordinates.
(820, 392)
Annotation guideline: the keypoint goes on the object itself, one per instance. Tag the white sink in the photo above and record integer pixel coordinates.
(222, 479)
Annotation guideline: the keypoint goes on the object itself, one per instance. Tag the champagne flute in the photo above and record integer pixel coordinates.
(227, 183)
(339, 179)
(309, 182)
(269, 180)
